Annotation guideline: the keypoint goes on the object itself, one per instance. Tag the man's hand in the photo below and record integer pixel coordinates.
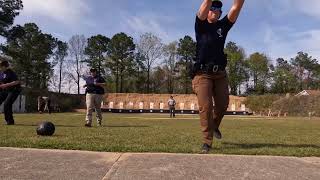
(100, 84)
(204, 9)
(13, 83)
(3, 86)
(235, 10)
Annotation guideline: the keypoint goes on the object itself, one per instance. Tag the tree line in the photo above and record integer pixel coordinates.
(145, 65)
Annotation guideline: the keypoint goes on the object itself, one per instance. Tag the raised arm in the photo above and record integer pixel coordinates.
(204, 9)
(235, 10)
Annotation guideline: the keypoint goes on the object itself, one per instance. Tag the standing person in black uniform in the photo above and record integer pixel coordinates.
(10, 90)
(210, 78)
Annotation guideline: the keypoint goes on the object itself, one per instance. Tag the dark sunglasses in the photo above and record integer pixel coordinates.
(215, 9)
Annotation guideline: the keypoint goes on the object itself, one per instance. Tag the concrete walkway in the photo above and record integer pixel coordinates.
(56, 164)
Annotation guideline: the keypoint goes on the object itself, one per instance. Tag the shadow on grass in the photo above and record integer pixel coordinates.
(73, 126)
(35, 125)
(124, 126)
(266, 145)
(52, 136)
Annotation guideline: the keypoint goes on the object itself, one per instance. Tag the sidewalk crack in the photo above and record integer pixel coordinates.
(113, 168)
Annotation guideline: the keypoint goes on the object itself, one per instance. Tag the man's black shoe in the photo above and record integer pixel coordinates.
(10, 123)
(87, 125)
(205, 149)
(217, 134)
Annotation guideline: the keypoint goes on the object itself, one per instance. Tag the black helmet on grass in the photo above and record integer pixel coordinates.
(45, 128)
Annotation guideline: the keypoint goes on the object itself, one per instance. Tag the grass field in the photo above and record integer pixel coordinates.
(157, 133)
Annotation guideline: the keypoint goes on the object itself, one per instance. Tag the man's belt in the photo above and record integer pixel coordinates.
(208, 68)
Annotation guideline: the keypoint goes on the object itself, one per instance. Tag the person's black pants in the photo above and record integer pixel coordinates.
(8, 98)
(172, 111)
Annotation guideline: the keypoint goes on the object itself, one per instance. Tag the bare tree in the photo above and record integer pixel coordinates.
(59, 57)
(77, 45)
(69, 83)
(151, 48)
(54, 82)
(170, 60)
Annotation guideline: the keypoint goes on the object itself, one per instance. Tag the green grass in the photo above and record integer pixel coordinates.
(157, 133)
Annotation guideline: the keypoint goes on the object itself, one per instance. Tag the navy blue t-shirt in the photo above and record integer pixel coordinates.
(211, 38)
(9, 76)
(93, 89)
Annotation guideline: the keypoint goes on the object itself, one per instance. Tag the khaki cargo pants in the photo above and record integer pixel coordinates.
(93, 102)
(209, 88)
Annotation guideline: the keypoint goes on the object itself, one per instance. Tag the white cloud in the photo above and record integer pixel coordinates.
(263, 17)
(139, 25)
(310, 7)
(65, 11)
(287, 39)
(282, 42)
(311, 42)
(285, 7)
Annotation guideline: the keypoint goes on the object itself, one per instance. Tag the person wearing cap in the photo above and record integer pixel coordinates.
(210, 82)
(94, 96)
(10, 89)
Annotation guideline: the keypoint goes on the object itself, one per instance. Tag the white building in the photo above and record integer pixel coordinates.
(19, 106)
(308, 93)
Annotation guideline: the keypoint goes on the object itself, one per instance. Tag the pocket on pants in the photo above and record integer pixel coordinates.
(90, 100)
(195, 84)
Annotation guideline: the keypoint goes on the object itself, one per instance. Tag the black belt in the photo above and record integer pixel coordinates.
(209, 68)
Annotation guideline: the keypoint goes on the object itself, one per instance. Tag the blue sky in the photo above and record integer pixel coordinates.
(278, 28)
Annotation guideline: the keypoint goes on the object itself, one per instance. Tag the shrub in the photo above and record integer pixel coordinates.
(261, 103)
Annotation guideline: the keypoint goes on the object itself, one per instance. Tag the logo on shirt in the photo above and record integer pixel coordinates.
(219, 31)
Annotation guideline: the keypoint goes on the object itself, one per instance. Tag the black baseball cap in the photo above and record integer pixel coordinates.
(217, 4)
